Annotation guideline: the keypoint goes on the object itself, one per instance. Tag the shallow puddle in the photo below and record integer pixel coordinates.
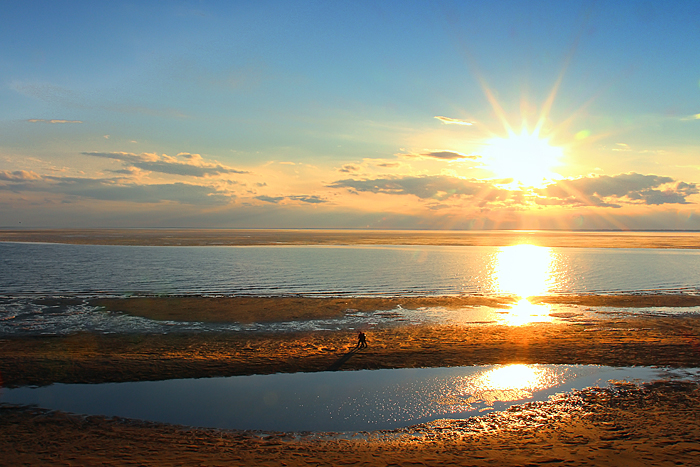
(331, 401)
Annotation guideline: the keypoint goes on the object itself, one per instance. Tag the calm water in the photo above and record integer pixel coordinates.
(29, 271)
(335, 401)
(49, 269)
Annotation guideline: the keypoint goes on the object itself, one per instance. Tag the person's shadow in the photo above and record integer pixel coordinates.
(341, 361)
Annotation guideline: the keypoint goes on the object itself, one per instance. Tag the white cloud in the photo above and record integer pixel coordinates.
(453, 121)
(41, 120)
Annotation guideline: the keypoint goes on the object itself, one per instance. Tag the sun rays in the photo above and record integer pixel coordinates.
(526, 158)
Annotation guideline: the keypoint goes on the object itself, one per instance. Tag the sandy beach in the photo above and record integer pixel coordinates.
(591, 427)
(248, 237)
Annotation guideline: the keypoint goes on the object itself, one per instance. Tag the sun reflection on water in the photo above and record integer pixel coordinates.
(524, 271)
(515, 376)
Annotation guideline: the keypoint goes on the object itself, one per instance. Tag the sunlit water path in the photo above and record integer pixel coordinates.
(336, 401)
(28, 271)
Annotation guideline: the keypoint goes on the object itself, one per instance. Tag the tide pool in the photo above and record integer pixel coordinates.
(343, 401)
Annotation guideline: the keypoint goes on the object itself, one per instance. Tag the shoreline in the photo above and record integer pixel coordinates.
(251, 309)
(292, 237)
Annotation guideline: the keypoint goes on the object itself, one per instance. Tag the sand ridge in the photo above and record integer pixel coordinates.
(92, 358)
(249, 237)
(248, 309)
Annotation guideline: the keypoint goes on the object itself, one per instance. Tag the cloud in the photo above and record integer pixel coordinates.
(438, 187)
(130, 171)
(192, 157)
(192, 167)
(691, 117)
(270, 199)
(125, 156)
(442, 155)
(176, 168)
(674, 194)
(312, 199)
(41, 120)
(18, 175)
(350, 168)
(453, 121)
(596, 191)
(116, 190)
(612, 191)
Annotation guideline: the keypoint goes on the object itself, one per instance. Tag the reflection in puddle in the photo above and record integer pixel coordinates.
(520, 377)
(329, 401)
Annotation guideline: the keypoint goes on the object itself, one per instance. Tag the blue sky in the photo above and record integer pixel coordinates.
(323, 114)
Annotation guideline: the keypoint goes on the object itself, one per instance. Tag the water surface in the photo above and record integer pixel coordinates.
(336, 401)
(30, 271)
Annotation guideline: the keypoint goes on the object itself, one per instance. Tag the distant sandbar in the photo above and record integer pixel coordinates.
(278, 309)
(244, 237)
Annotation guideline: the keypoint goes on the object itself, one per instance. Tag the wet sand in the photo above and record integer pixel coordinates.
(275, 309)
(241, 237)
(626, 425)
(93, 358)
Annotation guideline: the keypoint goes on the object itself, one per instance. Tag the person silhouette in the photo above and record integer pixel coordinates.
(361, 340)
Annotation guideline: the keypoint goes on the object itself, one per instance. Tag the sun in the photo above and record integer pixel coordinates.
(526, 158)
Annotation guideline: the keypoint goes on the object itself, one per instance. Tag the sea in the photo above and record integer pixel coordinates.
(47, 288)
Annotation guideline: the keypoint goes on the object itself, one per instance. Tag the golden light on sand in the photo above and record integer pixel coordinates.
(526, 158)
(524, 312)
(525, 271)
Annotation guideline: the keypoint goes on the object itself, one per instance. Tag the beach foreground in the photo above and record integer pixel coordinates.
(655, 424)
